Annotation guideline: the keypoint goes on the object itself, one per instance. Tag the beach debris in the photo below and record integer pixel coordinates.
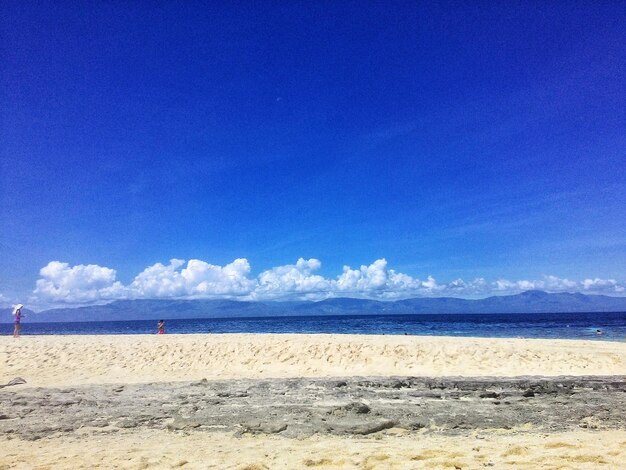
(15, 381)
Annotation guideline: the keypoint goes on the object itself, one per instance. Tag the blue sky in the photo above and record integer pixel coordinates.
(484, 142)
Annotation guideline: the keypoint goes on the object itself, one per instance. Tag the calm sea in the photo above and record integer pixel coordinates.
(560, 325)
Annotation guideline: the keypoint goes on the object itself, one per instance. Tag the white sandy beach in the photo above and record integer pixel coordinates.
(76, 360)
(166, 450)
(62, 361)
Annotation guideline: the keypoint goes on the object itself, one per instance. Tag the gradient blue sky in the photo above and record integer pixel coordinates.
(478, 141)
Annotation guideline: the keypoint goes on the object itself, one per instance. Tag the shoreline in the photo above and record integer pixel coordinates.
(595, 339)
(605, 338)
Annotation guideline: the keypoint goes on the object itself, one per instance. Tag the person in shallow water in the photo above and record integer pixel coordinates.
(17, 311)
(161, 327)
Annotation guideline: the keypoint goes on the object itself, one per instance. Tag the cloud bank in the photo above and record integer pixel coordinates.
(62, 284)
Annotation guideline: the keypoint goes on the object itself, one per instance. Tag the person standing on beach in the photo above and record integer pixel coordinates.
(17, 311)
(161, 327)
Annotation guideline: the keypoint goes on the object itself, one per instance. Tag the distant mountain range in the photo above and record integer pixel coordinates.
(526, 302)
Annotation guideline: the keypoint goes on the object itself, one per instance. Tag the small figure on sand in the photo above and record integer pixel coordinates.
(161, 327)
(17, 312)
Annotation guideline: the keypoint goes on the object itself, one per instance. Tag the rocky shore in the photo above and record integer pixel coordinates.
(299, 408)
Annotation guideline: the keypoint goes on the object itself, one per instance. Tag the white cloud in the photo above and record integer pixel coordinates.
(529, 285)
(298, 279)
(431, 285)
(516, 286)
(376, 281)
(207, 279)
(198, 279)
(368, 279)
(477, 287)
(554, 283)
(160, 280)
(77, 284)
(605, 286)
(61, 283)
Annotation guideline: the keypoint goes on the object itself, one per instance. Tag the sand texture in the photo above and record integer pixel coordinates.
(398, 451)
(252, 402)
(74, 360)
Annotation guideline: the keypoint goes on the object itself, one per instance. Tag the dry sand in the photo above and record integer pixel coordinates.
(76, 360)
(63, 361)
(160, 449)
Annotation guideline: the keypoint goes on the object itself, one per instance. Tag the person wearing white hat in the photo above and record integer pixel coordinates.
(17, 311)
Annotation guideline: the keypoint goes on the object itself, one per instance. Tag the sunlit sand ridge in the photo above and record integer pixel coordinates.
(75, 360)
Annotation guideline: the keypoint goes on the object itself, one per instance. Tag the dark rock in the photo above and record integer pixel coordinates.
(232, 394)
(180, 424)
(99, 423)
(264, 428)
(358, 408)
(425, 395)
(298, 408)
(398, 384)
(371, 428)
(129, 423)
(274, 428)
(214, 402)
(63, 402)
